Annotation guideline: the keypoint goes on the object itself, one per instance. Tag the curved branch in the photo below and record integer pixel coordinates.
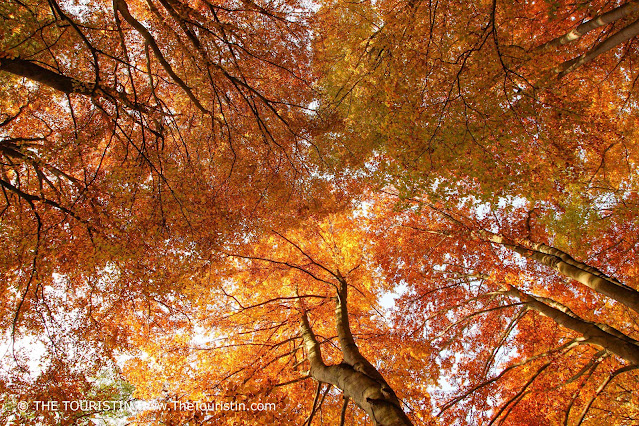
(63, 83)
(35, 72)
(569, 267)
(624, 348)
(611, 42)
(603, 386)
(592, 24)
(566, 346)
(374, 398)
(122, 7)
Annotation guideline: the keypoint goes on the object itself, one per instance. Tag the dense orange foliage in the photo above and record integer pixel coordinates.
(193, 190)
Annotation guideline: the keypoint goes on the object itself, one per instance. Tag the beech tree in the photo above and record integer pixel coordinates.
(497, 290)
(406, 212)
(136, 139)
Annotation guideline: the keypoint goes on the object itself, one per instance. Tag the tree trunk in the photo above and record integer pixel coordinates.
(571, 268)
(356, 376)
(611, 340)
(611, 42)
(594, 23)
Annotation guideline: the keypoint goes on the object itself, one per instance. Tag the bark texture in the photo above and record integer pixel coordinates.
(606, 337)
(355, 376)
(611, 42)
(571, 268)
(592, 24)
(35, 72)
(65, 84)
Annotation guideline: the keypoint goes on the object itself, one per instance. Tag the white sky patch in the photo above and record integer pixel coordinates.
(29, 351)
(387, 299)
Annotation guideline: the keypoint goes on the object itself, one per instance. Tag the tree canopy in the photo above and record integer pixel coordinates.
(391, 212)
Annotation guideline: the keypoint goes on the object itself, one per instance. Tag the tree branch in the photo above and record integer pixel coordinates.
(569, 267)
(122, 7)
(592, 24)
(611, 42)
(624, 348)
